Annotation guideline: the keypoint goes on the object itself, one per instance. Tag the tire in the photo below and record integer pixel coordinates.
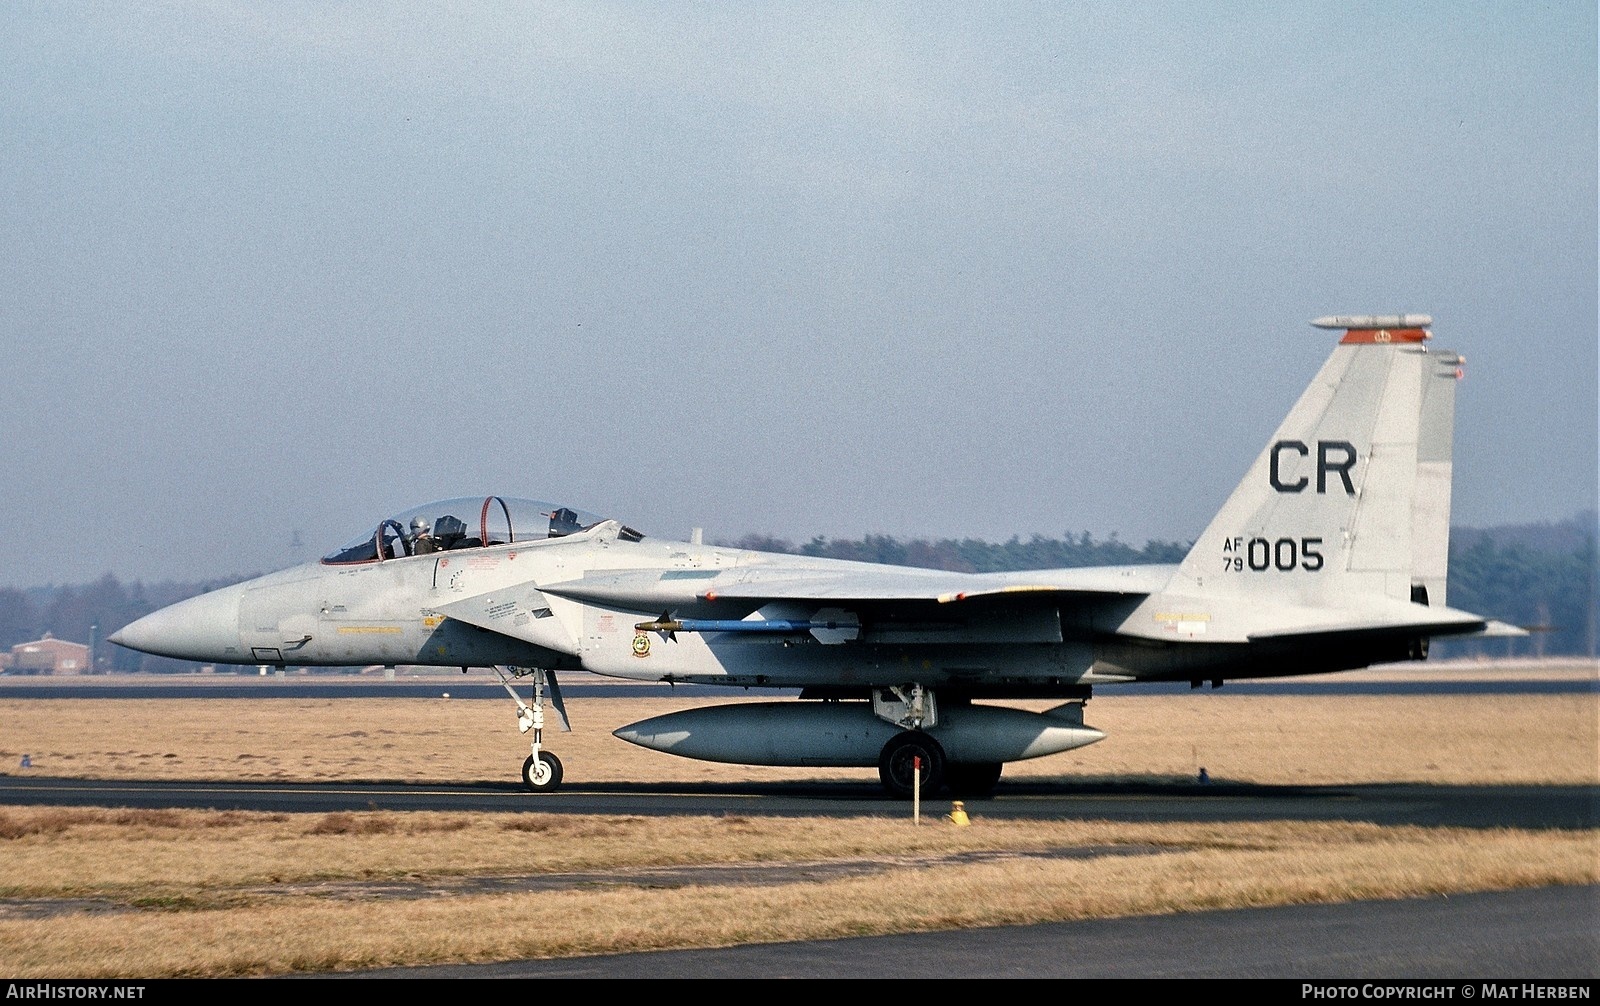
(545, 777)
(972, 780)
(895, 764)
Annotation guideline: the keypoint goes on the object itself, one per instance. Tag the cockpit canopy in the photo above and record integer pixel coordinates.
(465, 522)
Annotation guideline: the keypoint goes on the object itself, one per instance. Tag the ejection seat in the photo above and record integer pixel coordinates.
(449, 531)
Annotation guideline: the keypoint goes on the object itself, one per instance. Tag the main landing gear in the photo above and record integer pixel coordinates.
(907, 756)
(913, 762)
(541, 772)
(913, 752)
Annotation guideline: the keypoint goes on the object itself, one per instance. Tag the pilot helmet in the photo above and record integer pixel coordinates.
(419, 525)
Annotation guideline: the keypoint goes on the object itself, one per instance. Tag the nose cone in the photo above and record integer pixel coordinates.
(201, 628)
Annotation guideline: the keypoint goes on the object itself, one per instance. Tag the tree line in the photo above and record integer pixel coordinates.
(1540, 576)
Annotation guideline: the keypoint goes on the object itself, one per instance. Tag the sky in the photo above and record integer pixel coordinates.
(272, 272)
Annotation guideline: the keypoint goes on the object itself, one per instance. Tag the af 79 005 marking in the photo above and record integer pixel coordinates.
(1283, 554)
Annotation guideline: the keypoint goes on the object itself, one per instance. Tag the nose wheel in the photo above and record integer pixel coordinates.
(542, 772)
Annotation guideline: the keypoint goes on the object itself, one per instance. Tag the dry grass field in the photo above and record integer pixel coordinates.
(1235, 735)
(98, 892)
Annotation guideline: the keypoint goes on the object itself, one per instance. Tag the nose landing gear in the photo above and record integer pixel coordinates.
(541, 772)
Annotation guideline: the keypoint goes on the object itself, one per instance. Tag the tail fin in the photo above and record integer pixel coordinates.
(1351, 496)
(1430, 512)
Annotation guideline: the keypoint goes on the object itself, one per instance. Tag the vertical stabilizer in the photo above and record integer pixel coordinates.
(1351, 496)
(1430, 514)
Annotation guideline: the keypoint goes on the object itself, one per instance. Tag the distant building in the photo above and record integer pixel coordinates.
(47, 656)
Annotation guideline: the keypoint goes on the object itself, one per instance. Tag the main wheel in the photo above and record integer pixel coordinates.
(905, 757)
(543, 774)
(972, 779)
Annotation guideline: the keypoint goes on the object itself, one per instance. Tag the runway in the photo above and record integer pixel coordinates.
(1548, 934)
(587, 686)
(1425, 805)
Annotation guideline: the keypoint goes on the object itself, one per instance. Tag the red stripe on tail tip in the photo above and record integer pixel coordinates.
(1380, 336)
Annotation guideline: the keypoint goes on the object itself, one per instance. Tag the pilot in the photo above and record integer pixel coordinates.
(422, 541)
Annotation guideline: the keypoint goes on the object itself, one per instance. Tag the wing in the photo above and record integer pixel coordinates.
(751, 588)
(845, 602)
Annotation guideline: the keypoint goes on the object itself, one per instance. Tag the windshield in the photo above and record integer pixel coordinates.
(465, 522)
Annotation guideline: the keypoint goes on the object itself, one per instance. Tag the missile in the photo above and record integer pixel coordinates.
(827, 630)
(804, 733)
(730, 625)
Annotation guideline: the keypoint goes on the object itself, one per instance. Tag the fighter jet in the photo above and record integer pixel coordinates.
(1329, 555)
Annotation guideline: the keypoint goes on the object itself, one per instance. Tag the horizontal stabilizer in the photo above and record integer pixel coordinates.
(1419, 620)
(1500, 629)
